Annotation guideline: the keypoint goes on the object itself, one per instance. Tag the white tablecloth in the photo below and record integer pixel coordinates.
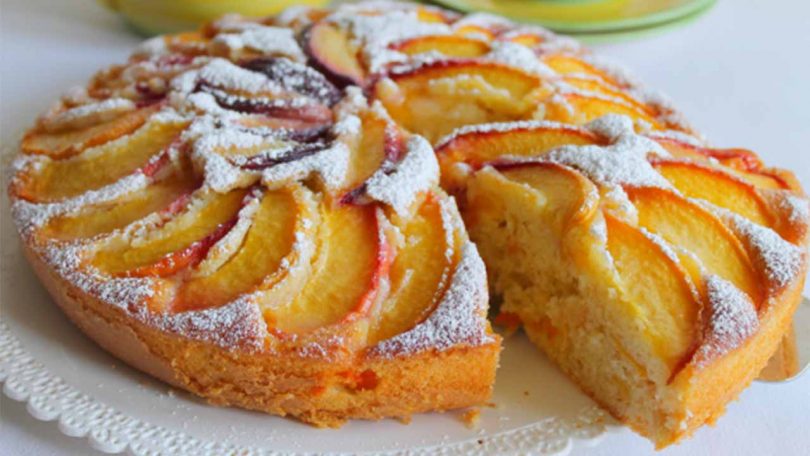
(740, 74)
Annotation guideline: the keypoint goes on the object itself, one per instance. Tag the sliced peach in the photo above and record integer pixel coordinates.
(743, 163)
(717, 187)
(255, 265)
(188, 43)
(448, 45)
(418, 273)
(97, 167)
(351, 261)
(526, 39)
(434, 99)
(657, 293)
(740, 159)
(179, 243)
(379, 143)
(569, 196)
(477, 30)
(331, 51)
(273, 107)
(597, 86)
(580, 109)
(475, 148)
(431, 15)
(105, 218)
(64, 144)
(569, 65)
(368, 152)
(686, 224)
(296, 77)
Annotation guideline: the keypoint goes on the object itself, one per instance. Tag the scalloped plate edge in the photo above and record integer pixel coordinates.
(48, 398)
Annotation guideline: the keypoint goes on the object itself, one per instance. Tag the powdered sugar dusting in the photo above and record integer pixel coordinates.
(781, 260)
(29, 216)
(415, 173)
(732, 319)
(238, 324)
(459, 319)
(266, 40)
(127, 293)
(503, 127)
(374, 33)
(88, 114)
(798, 208)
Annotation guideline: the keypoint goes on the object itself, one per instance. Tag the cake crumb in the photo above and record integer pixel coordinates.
(471, 418)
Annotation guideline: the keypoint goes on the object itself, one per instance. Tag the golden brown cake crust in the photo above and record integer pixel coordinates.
(323, 393)
(139, 198)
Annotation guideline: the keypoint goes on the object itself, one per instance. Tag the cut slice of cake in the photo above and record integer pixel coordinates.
(661, 285)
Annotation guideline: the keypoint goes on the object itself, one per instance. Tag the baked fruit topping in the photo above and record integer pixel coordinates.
(254, 231)
(603, 244)
(272, 213)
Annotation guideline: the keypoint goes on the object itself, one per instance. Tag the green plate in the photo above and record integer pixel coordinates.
(638, 33)
(587, 16)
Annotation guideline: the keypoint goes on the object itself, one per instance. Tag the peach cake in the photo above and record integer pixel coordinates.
(256, 212)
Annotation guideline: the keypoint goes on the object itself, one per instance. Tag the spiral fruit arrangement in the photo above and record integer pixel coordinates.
(273, 214)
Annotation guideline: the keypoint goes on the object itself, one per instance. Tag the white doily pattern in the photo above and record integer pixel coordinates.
(50, 398)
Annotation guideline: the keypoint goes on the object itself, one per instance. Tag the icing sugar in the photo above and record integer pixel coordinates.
(418, 171)
(781, 260)
(237, 324)
(519, 56)
(225, 75)
(503, 127)
(88, 114)
(373, 34)
(798, 208)
(29, 216)
(459, 318)
(732, 319)
(264, 39)
(207, 91)
(152, 47)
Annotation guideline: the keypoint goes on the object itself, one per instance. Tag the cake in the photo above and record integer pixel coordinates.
(273, 214)
(242, 228)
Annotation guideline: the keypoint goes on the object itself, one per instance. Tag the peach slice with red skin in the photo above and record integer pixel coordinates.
(255, 265)
(526, 39)
(717, 187)
(456, 46)
(163, 195)
(477, 30)
(476, 148)
(419, 272)
(332, 52)
(67, 143)
(744, 163)
(570, 65)
(657, 293)
(97, 167)
(379, 144)
(740, 159)
(436, 98)
(600, 87)
(352, 260)
(296, 77)
(179, 243)
(585, 108)
(688, 225)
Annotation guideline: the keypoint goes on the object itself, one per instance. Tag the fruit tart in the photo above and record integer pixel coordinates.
(273, 213)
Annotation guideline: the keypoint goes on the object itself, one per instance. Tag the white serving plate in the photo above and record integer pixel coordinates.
(65, 377)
